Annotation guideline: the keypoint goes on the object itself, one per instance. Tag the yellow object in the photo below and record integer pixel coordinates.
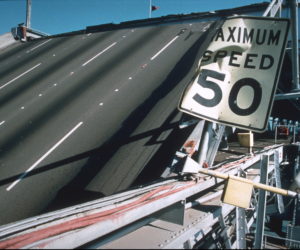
(246, 139)
(238, 193)
(239, 190)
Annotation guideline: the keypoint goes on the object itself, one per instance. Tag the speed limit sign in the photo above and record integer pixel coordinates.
(238, 73)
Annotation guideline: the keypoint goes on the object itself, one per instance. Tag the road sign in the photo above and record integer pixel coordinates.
(238, 73)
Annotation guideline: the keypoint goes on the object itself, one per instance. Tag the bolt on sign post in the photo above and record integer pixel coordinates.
(238, 73)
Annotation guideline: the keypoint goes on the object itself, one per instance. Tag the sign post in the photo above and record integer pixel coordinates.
(238, 73)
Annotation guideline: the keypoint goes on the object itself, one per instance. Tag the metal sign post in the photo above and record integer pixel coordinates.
(28, 14)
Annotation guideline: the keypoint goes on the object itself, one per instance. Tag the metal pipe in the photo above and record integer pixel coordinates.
(294, 31)
(274, 8)
(28, 14)
(286, 96)
(268, 10)
(255, 184)
(204, 141)
(150, 8)
(294, 134)
(276, 126)
(203, 199)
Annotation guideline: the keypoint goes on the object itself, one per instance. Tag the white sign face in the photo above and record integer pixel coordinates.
(238, 73)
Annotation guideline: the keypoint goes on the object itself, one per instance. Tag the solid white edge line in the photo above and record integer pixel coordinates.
(2, 123)
(20, 76)
(38, 46)
(167, 45)
(113, 44)
(44, 156)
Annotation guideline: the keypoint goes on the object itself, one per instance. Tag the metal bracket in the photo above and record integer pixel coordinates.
(190, 166)
(188, 149)
(174, 214)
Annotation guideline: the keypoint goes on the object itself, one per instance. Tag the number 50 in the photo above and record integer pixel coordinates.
(232, 101)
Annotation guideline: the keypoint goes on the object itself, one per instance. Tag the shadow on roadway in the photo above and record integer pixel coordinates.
(97, 158)
(184, 69)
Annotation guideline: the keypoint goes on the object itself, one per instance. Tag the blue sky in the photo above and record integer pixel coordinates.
(58, 16)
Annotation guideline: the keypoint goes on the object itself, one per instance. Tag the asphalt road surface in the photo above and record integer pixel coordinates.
(83, 116)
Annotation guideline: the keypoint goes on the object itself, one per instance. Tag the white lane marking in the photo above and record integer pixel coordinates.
(89, 34)
(22, 107)
(3, 86)
(116, 90)
(38, 46)
(1, 123)
(44, 156)
(206, 27)
(166, 46)
(113, 44)
(101, 104)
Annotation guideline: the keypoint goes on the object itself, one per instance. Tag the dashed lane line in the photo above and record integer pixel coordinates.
(166, 46)
(38, 46)
(16, 78)
(44, 156)
(100, 53)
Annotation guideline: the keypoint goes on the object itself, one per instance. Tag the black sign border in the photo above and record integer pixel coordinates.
(274, 86)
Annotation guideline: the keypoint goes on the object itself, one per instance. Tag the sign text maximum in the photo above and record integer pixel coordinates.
(261, 37)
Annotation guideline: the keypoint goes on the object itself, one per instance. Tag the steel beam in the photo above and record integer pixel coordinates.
(278, 181)
(241, 228)
(287, 96)
(214, 142)
(210, 141)
(241, 223)
(204, 142)
(294, 32)
(261, 208)
(224, 233)
(124, 208)
(273, 8)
